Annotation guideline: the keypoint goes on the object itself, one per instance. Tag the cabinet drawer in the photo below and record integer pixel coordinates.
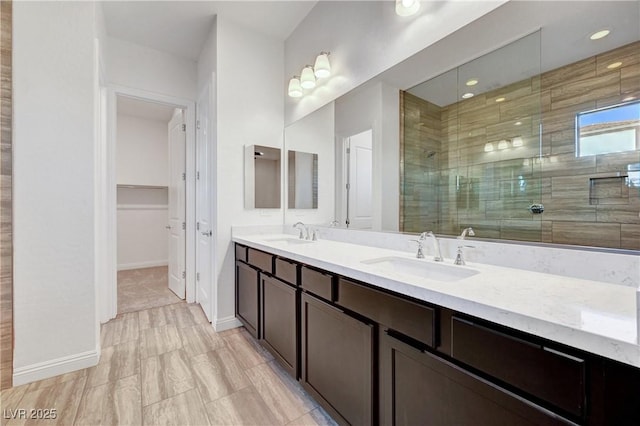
(318, 283)
(287, 271)
(550, 375)
(241, 253)
(260, 260)
(407, 317)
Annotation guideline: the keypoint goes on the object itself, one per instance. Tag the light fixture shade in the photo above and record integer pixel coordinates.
(295, 90)
(503, 144)
(407, 7)
(322, 67)
(307, 78)
(488, 147)
(517, 141)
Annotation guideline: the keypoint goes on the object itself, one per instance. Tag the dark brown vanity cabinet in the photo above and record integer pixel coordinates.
(419, 388)
(279, 321)
(248, 298)
(371, 356)
(337, 360)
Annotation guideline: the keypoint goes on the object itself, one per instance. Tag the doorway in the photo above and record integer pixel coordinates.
(150, 176)
(107, 201)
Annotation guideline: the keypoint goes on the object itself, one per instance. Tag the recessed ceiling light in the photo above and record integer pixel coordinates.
(600, 34)
(467, 95)
(517, 123)
(500, 100)
(472, 82)
(614, 65)
(628, 98)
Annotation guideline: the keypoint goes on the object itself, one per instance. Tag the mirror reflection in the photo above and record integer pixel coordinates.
(262, 167)
(302, 180)
(536, 140)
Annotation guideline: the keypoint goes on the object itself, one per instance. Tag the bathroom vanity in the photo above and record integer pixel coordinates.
(374, 342)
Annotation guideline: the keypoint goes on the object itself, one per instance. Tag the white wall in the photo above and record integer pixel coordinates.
(54, 100)
(250, 111)
(366, 38)
(142, 147)
(142, 159)
(140, 67)
(374, 107)
(314, 134)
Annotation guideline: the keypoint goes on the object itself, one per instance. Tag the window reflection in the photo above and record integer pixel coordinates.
(608, 130)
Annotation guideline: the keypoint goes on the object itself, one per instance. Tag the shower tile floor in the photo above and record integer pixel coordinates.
(140, 289)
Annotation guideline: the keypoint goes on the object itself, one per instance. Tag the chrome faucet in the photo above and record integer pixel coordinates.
(436, 245)
(465, 232)
(303, 229)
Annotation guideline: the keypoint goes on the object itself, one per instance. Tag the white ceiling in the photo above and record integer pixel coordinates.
(181, 27)
(144, 109)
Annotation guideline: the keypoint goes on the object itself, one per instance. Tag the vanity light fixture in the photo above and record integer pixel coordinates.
(472, 82)
(407, 7)
(322, 67)
(501, 99)
(295, 90)
(307, 78)
(614, 65)
(599, 34)
(488, 147)
(503, 144)
(517, 142)
(467, 95)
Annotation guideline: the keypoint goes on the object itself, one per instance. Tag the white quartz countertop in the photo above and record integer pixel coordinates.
(593, 316)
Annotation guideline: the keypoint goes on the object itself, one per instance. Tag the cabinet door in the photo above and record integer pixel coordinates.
(418, 388)
(279, 321)
(247, 296)
(337, 361)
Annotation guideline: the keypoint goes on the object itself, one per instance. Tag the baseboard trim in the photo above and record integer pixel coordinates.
(227, 323)
(140, 265)
(55, 367)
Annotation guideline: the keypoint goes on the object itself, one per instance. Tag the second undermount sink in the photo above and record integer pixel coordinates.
(422, 268)
(287, 240)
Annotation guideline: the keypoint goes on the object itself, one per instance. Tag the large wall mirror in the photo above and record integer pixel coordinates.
(519, 125)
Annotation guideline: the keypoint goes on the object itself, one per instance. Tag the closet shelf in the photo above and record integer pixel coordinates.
(141, 186)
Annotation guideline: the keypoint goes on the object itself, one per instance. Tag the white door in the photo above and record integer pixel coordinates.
(177, 223)
(204, 205)
(360, 180)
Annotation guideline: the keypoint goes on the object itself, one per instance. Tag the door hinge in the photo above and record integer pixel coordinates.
(348, 150)
(184, 127)
(184, 226)
(197, 276)
(198, 124)
(184, 274)
(197, 226)
(348, 186)
(184, 176)
(198, 175)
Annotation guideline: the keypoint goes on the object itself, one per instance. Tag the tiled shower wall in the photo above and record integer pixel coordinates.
(450, 182)
(6, 232)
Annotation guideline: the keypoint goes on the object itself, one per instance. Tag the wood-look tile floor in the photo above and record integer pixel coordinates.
(144, 288)
(167, 366)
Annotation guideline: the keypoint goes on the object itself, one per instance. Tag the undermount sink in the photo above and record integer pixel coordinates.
(287, 240)
(422, 268)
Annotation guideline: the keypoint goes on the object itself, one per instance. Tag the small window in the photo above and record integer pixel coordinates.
(608, 130)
